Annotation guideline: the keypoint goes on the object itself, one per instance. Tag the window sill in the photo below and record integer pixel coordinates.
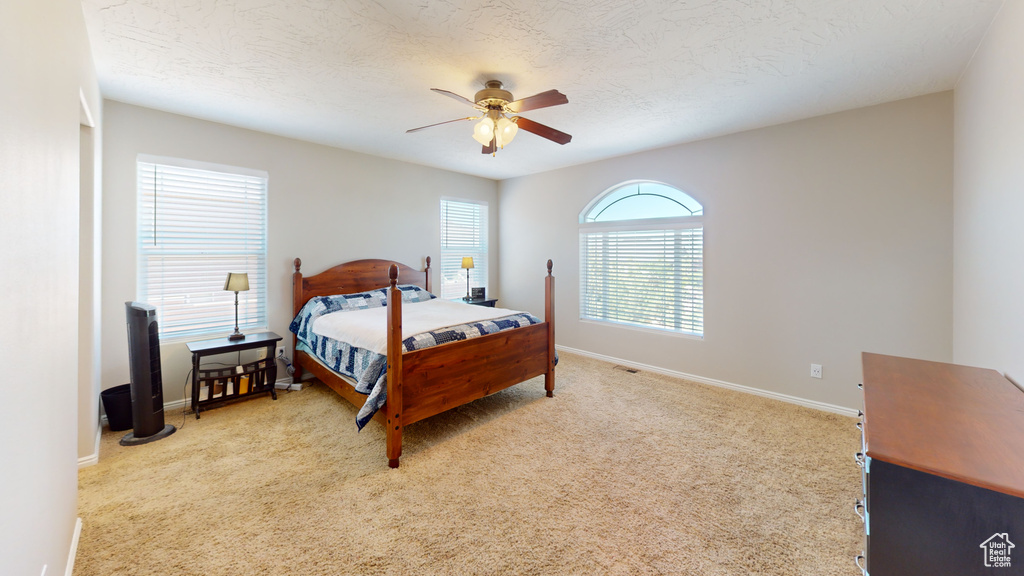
(658, 331)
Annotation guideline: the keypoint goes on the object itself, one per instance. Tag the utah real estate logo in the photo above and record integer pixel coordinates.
(997, 550)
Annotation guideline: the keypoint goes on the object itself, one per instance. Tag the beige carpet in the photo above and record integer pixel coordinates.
(617, 474)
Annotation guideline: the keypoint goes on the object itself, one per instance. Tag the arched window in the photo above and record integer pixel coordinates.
(642, 258)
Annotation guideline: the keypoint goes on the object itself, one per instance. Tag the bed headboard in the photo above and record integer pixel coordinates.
(351, 277)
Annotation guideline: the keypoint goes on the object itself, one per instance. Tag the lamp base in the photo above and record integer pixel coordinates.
(237, 336)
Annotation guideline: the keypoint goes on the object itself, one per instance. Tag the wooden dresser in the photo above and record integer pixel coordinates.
(943, 470)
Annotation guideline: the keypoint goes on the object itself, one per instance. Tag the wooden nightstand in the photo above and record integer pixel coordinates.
(232, 382)
(489, 302)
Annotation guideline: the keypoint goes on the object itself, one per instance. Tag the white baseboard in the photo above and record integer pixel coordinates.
(720, 383)
(185, 403)
(74, 548)
(168, 406)
(93, 458)
(177, 404)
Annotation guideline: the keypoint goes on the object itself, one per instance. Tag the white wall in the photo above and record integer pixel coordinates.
(89, 277)
(326, 206)
(44, 62)
(989, 201)
(823, 238)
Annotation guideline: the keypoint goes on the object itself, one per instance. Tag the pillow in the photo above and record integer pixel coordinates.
(410, 293)
(413, 293)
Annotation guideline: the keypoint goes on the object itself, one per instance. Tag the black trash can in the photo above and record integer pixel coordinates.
(117, 403)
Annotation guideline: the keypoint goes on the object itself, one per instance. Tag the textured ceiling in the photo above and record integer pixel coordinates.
(639, 74)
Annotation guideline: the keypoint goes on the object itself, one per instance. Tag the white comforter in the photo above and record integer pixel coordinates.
(367, 329)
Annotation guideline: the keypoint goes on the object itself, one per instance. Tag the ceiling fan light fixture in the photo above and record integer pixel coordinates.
(506, 131)
(499, 124)
(483, 132)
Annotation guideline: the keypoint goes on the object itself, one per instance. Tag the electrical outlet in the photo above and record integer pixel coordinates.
(281, 350)
(815, 370)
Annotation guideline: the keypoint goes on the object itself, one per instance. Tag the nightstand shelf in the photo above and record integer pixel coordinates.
(216, 385)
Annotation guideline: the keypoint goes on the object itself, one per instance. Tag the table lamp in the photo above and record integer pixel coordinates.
(467, 263)
(236, 282)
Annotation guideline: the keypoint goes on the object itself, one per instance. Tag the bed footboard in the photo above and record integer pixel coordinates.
(426, 382)
(440, 378)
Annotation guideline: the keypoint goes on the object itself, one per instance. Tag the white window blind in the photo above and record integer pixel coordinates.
(463, 233)
(642, 258)
(646, 278)
(196, 223)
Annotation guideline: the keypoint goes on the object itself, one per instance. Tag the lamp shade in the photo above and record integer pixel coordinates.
(237, 282)
(505, 131)
(484, 131)
(467, 262)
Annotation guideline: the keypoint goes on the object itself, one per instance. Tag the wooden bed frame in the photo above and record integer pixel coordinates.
(422, 383)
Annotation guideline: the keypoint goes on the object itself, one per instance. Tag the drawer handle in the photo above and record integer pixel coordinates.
(859, 459)
(856, 560)
(857, 507)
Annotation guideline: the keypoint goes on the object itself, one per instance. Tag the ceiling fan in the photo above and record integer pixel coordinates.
(499, 123)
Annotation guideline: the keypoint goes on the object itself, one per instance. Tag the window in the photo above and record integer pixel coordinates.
(196, 223)
(642, 258)
(463, 233)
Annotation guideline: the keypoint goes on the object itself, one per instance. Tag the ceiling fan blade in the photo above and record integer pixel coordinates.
(438, 124)
(490, 148)
(455, 96)
(543, 131)
(542, 100)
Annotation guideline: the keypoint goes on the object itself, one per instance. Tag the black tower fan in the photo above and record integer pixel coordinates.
(147, 385)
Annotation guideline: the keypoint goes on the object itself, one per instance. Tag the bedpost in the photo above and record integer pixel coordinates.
(427, 271)
(549, 317)
(296, 307)
(393, 432)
